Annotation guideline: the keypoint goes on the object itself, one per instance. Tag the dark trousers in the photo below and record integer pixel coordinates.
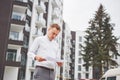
(42, 73)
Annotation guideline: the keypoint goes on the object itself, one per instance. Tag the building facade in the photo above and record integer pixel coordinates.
(16, 35)
(24, 20)
(45, 12)
(66, 70)
(81, 72)
(21, 22)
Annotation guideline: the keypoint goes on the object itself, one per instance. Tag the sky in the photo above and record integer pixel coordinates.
(77, 13)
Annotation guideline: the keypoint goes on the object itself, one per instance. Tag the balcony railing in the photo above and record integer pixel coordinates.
(56, 13)
(55, 3)
(40, 22)
(41, 8)
(21, 0)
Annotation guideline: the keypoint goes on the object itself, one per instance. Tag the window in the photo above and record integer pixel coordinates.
(87, 75)
(25, 41)
(22, 74)
(79, 60)
(79, 68)
(14, 35)
(36, 30)
(80, 39)
(87, 68)
(111, 78)
(73, 49)
(79, 53)
(39, 1)
(33, 63)
(103, 79)
(79, 75)
(31, 78)
(73, 42)
(23, 59)
(11, 55)
(79, 46)
(17, 17)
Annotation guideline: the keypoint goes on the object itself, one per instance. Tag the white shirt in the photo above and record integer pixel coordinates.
(42, 46)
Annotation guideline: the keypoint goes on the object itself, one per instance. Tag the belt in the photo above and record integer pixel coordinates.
(45, 68)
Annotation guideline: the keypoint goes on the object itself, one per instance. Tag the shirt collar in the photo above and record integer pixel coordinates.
(46, 36)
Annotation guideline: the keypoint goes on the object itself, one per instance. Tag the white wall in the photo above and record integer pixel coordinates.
(10, 73)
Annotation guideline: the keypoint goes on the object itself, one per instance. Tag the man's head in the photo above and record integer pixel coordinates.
(53, 31)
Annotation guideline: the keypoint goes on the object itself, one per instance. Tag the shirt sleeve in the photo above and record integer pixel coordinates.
(33, 48)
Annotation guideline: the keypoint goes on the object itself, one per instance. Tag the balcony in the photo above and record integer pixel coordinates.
(55, 3)
(17, 22)
(15, 42)
(37, 33)
(32, 67)
(19, 6)
(40, 23)
(18, 19)
(41, 8)
(12, 63)
(55, 13)
(44, 0)
(14, 39)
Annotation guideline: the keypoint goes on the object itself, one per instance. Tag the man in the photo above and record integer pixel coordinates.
(42, 48)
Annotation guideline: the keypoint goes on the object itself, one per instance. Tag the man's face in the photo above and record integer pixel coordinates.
(52, 33)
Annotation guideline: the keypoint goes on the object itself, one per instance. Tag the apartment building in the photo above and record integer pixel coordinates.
(80, 71)
(72, 56)
(15, 30)
(67, 71)
(21, 22)
(45, 12)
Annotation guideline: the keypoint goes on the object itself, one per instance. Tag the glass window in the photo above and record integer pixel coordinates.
(31, 78)
(33, 63)
(11, 55)
(79, 46)
(73, 42)
(111, 78)
(39, 1)
(25, 41)
(87, 75)
(79, 75)
(79, 60)
(17, 17)
(103, 79)
(23, 59)
(22, 75)
(79, 53)
(80, 39)
(87, 68)
(14, 35)
(79, 68)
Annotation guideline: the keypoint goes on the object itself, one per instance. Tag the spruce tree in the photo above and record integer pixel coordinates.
(100, 43)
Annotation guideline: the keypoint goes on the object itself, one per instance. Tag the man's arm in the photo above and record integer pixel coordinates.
(33, 50)
(60, 63)
(39, 58)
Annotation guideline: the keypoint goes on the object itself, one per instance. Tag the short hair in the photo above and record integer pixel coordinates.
(55, 26)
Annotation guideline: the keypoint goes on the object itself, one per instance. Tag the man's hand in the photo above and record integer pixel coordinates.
(39, 58)
(60, 63)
